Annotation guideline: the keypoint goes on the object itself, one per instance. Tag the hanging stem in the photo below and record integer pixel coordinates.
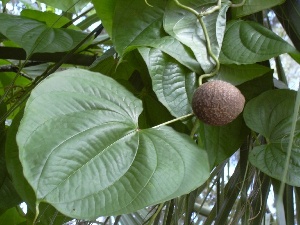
(210, 52)
(208, 44)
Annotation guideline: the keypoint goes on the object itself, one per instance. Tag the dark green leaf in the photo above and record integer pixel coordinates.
(35, 36)
(253, 6)
(221, 142)
(67, 5)
(173, 84)
(255, 87)
(83, 152)
(48, 214)
(105, 10)
(185, 27)
(238, 74)
(270, 114)
(8, 194)
(178, 51)
(13, 216)
(250, 42)
(135, 23)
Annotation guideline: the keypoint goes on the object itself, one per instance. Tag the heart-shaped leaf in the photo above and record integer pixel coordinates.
(249, 42)
(185, 27)
(173, 83)
(83, 152)
(35, 36)
(270, 114)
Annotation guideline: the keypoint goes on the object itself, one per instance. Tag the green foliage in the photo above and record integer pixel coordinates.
(270, 114)
(66, 5)
(117, 137)
(35, 36)
(173, 83)
(249, 42)
(107, 150)
(185, 27)
(13, 216)
(254, 6)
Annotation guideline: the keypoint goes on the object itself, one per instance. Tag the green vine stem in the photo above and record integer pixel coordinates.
(238, 4)
(208, 44)
(174, 120)
(210, 52)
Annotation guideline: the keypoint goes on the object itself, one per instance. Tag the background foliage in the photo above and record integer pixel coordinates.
(95, 113)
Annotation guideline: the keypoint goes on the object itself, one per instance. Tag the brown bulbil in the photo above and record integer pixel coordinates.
(217, 102)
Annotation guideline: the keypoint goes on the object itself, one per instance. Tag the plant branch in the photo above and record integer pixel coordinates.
(20, 54)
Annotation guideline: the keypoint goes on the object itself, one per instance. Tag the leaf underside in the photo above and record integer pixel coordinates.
(83, 152)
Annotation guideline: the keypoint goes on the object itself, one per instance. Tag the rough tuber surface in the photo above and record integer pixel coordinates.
(217, 102)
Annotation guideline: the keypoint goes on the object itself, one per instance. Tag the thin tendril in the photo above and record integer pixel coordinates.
(147, 3)
(208, 45)
(210, 52)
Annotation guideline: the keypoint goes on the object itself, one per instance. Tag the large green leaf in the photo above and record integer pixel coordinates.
(135, 23)
(270, 114)
(48, 214)
(185, 27)
(173, 84)
(67, 5)
(35, 36)
(83, 152)
(249, 42)
(221, 142)
(253, 6)
(238, 74)
(105, 10)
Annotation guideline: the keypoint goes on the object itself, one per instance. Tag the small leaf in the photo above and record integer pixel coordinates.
(35, 36)
(238, 74)
(83, 152)
(185, 27)
(173, 84)
(270, 114)
(253, 6)
(249, 42)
